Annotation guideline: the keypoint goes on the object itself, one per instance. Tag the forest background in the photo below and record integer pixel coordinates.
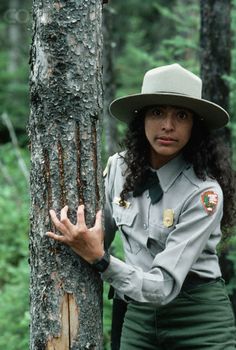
(139, 35)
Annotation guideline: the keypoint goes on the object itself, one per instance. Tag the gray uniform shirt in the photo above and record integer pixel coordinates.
(166, 240)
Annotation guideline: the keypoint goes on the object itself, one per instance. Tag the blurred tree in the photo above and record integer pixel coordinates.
(215, 39)
(14, 35)
(215, 54)
(109, 124)
(66, 102)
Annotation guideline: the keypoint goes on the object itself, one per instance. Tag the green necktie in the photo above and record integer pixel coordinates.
(151, 183)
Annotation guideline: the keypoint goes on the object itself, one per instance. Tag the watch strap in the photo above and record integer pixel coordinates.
(102, 264)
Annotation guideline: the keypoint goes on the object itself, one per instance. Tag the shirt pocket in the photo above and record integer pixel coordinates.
(126, 221)
(160, 233)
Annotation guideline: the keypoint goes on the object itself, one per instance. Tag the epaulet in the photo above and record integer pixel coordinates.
(113, 161)
(107, 168)
(208, 183)
(191, 176)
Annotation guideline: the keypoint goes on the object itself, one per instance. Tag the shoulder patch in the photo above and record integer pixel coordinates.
(209, 201)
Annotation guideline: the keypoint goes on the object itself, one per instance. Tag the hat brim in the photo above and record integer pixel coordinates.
(212, 115)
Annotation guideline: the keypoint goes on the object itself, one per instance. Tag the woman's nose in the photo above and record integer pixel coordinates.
(168, 122)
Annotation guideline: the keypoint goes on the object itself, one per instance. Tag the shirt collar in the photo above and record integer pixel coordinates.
(168, 173)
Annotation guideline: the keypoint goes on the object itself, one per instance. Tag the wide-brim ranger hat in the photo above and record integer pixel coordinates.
(175, 86)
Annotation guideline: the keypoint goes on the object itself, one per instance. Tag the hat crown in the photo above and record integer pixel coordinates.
(172, 79)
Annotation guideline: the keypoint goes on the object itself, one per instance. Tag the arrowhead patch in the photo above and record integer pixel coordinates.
(209, 201)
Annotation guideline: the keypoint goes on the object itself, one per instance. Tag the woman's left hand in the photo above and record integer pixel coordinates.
(86, 242)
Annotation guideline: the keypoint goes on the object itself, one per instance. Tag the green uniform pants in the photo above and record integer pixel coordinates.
(200, 318)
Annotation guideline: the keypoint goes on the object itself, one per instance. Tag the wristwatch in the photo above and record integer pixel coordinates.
(102, 264)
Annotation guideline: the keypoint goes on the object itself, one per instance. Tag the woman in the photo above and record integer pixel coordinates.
(165, 194)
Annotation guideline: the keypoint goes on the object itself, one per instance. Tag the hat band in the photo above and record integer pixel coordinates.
(173, 93)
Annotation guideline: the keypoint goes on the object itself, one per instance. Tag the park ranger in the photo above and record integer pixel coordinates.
(169, 194)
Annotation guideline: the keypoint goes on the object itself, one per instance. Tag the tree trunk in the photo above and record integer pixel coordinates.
(215, 50)
(215, 65)
(64, 128)
(110, 124)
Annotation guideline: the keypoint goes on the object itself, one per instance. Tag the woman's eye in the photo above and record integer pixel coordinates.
(157, 112)
(182, 115)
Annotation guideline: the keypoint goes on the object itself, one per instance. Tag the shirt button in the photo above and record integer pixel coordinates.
(145, 226)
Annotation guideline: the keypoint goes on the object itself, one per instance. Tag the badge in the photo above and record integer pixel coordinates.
(209, 201)
(168, 217)
(117, 200)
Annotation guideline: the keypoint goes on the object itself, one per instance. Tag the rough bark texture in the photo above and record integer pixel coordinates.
(110, 124)
(64, 128)
(215, 66)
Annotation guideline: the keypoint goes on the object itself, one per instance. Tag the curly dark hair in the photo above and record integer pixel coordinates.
(208, 153)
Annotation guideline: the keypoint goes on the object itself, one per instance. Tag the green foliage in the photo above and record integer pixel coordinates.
(14, 81)
(14, 306)
(232, 82)
(107, 314)
(231, 256)
(14, 92)
(150, 42)
(14, 273)
(14, 201)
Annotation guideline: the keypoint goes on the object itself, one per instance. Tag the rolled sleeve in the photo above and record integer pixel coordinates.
(145, 287)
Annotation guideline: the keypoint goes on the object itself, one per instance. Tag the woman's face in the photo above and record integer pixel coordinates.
(168, 130)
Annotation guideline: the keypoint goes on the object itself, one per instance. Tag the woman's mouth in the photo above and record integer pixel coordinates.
(164, 140)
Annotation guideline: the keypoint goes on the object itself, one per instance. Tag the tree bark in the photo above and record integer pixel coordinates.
(215, 39)
(64, 128)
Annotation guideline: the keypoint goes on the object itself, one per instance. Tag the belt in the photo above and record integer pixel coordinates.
(193, 280)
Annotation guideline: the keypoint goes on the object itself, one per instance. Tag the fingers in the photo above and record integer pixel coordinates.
(54, 218)
(80, 218)
(64, 218)
(64, 212)
(57, 222)
(60, 226)
(98, 221)
(55, 237)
